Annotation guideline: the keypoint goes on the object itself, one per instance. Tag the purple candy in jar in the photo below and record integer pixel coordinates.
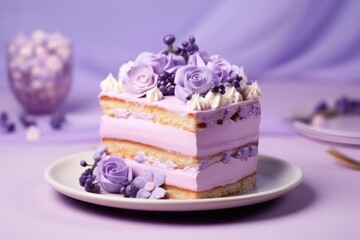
(39, 70)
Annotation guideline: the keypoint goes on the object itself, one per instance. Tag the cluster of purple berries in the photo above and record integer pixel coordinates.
(166, 83)
(129, 190)
(26, 120)
(188, 47)
(348, 106)
(5, 125)
(218, 88)
(234, 80)
(88, 179)
(343, 105)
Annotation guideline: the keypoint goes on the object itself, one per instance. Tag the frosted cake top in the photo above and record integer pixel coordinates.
(194, 77)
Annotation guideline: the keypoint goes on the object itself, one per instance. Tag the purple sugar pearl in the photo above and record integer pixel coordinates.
(169, 39)
(27, 120)
(4, 117)
(57, 121)
(253, 150)
(226, 157)
(321, 106)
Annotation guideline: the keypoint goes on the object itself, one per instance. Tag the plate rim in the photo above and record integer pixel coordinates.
(324, 135)
(113, 200)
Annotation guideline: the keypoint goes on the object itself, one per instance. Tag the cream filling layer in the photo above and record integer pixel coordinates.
(203, 143)
(217, 174)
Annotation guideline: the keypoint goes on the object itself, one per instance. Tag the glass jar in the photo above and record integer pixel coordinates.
(39, 71)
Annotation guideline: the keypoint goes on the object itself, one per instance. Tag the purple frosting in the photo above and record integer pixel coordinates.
(193, 79)
(173, 63)
(196, 77)
(113, 174)
(222, 67)
(139, 79)
(156, 60)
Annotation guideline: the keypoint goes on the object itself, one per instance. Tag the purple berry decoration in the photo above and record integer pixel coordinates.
(57, 121)
(192, 39)
(27, 121)
(169, 39)
(4, 117)
(320, 107)
(83, 163)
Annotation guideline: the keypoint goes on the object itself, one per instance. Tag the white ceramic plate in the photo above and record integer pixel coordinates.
(342, 129)
(275, 178)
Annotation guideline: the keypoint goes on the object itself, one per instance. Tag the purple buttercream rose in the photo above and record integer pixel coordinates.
(222, 67)
(156, 60)
(139, 79)
(113, 174)
(199, 59)
(173, 63)
(194, 79)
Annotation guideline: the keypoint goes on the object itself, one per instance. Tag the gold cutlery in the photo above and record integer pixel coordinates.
(342, 158)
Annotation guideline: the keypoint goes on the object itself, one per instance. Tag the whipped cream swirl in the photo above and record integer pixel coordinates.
(231, 96)
(110, 84)
(198, 103)
(251, 91)
(215, 100)
(154, 94)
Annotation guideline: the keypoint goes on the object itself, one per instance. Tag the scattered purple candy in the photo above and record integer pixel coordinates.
(57, 121)
(4, 117)
(321, 106)
(5, 125)
(27, 120)
(343, 105)
(253, 150)
(10, 127)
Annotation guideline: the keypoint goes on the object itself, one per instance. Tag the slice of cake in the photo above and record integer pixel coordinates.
(187, 116)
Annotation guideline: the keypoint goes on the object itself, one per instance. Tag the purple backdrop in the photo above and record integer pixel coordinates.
(274, 40)
(277, 40)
